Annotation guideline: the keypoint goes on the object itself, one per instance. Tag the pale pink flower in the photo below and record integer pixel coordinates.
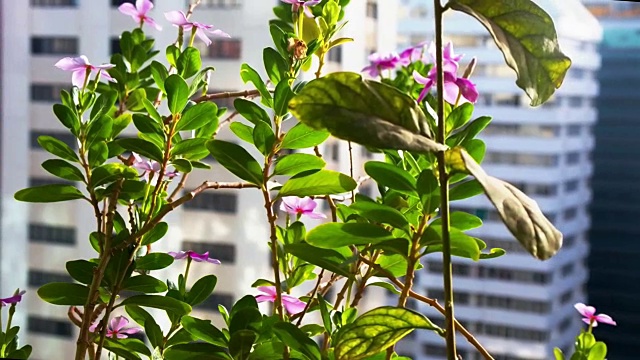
(139, 12)
(178, 18)
(292, 304)
(80, 66)
(590, 317)
(116, 328)
(379, 62)
(194, 256)
(12, 299)
(296, 206)
(150, 168)
(296, 4)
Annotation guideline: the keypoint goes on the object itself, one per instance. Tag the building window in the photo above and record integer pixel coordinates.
(508, 332)
(537, 189)
(462, 298)
(335, 55)
(38, 278)
(41, 181)
(219, 202)
(39, 233)
(54, 3)
(510, 246)
(570, 214)
(566, 296)
(458, 269)
(372, 9)
(575, 101)
(567, 269)
(40, 325)
(214, 300)
(514, 275)
(114, 45)
(66, 138)
(571, 185)
(225, 4)
(226, 253)
(510, 303)
(434, 350)
(503, 158)
(116, 3)
(574, 130)
(54, 45)
(529, 130)
(221, 49)
(47, 92)
(573, 158)
(335, 151)
(564, 324)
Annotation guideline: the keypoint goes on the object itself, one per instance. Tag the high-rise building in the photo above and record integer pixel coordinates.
(516, 306)
(37, 240)
(614, 275)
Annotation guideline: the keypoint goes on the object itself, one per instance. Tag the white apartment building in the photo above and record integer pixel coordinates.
(518, 307)
(37, 240)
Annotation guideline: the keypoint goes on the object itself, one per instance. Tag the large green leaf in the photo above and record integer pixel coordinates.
(249, 74)
(159, 302)
(64, 294)
(203, 330)
(393, 177)
(144, 283)
(337, 235)
(525, 34)
(364, 111)
(63, 169)
(376, 330)
(334, 260)
(49, 193)
(198, 116)
(322, 182)
(301, 136)
(177, 93)
(57, 148)
(521, 214)
(297, 339)
(201, 290)
(237, 160)
(294, 164)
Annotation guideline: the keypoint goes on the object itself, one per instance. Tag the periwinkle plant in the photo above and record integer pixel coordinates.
(428, 140)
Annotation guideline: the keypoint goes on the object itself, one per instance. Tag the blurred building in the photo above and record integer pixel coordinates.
(613, 284)
(37, 240)
(520, 308)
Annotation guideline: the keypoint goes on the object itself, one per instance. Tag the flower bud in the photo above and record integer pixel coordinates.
(298, 48)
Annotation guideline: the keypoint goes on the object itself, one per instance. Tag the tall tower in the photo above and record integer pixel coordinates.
(519, 307)
(37, 240)
(614, 271)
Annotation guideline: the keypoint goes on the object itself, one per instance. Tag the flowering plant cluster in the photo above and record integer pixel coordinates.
(418, 117)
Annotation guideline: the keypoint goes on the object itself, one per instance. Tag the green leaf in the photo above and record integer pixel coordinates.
(147, 125)
(429, 190)
(376, 330)
(64, 294)
(49, 193)
(153, 332)
(200, 80)
(103, 105)
(203, 330)
(462, 244)
(177, 93)
(336, 261)
(67, 117)
(142, 147)
(557, 353)
(159, 302)
(364, 111)
(380, 213)
(119, 349)
(297, 340)
(459, 116)
(111, 172)
(322, 182)
(189, 62)
(199, 115)
(99, 129)
(81, 270)
(465, 190)
(57, 148)
(275, 65)
(252, 111)
(159, 73)
(135, 100)
(242, 131)
(236, 159)
(391, 176)
(525, 34)
(282, 96)
(241, 343)
(63, 169)
(263, 138)
(249, 74)
(144, 283)
(598, 351)
(190, 149)
(154, 261)
(337, 235)
(521, 214)
(155, 234)
(201, 290)
(294, 164)
(196, 351)
(173, 52)
(461, 220)
(119, 124)
(301, 136)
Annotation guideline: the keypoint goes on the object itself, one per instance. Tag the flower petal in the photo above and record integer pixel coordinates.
(72, 63)
(315, 215)
(605, 319)
(220, 33)
(128, 9)
(203, 36)
(214, 261)
(307, 204)
(178, 255)
(265, 298)
(269, 290)
(292, 304)
(118, 323)
(78, 77)
(177, 18)
(129, 331)
(585, 310)
(452, 92)
(468, 89)
(149, 21)
(144, 6)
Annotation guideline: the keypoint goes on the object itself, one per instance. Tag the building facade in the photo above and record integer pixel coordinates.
(520, 308)
(37, 240)
(613, 284)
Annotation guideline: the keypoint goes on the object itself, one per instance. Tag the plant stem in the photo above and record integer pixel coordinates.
(444, 195)
(312, 297)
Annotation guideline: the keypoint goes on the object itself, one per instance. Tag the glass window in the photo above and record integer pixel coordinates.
(221, 49)
(46, 326)
(218, 202)
(48, 180)
(47, 92)
(573, 158)
(212, 302)
(372, 9)
(38, 278)
(574, 130)
(54, 45)
(226, 253)
(221, 3)
(66, 138)
(54, 3)
(40, 233)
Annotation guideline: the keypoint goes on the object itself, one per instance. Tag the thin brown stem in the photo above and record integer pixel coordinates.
(178, 188)
(353, 192)
(227, 95)
(312, 297)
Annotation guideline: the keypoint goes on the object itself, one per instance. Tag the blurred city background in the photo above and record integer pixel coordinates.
(576, 156)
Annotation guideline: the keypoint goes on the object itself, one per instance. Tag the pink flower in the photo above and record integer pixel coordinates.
(194, 256)
(116, 328)
(296, 206)
(178, 18)
(296, 4)
(150, 167)
(292, 304)
(411, 54)
(454, 87)
(80, 67)
(590, 317)
(379, 62)
(139, 12)
(16, 298)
